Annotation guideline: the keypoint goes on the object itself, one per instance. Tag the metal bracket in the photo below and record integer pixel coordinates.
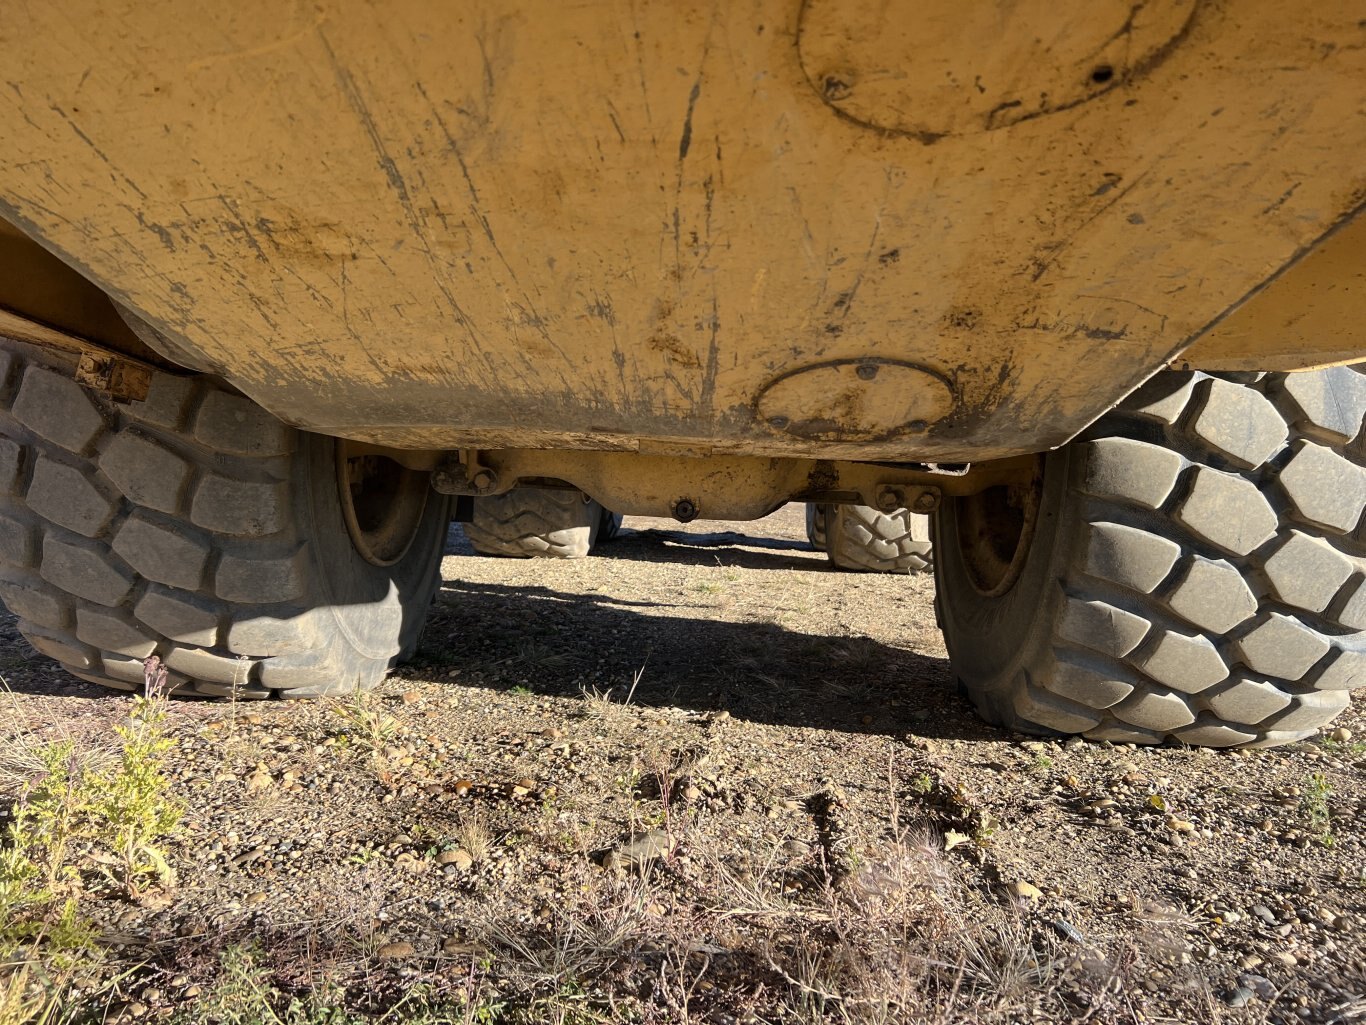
(116, 376)
(121, 377)
(462, 474)
(890, 498)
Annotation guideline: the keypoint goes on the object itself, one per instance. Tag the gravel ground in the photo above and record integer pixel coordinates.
(702, 776)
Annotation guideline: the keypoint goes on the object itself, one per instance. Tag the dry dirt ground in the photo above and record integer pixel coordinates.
(703, 777)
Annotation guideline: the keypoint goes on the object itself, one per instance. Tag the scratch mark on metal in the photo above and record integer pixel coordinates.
(685, 140)
(95, 149)
(708, 394)
(1162, 317)
(536, 320)
(256, 51)
(1280, 200)
(1051, 260)
(400, 188)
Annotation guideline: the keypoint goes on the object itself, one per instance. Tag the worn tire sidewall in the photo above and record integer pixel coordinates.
(377, 610)
(992, 639)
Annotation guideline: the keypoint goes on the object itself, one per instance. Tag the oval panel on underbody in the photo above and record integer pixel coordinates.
(931, 68)
(855, 400)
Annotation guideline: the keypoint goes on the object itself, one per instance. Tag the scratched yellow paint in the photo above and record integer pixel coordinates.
(615, 225)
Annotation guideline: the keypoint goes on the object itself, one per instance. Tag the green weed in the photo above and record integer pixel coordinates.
(73, 816)
(365, 724)
(1315, 809)
(1343, 748)
(131, 805)
(922, 783)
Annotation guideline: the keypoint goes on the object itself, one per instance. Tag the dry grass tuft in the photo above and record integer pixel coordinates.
(473, 835)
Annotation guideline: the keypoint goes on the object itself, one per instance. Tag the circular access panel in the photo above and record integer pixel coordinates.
(860, 399)
(930, 68)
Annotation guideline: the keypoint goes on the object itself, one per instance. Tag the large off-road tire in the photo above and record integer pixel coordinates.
(249, 557)
(539, 523)
(859, 537)
(609, 526)
(1192, 568)
(815, 525)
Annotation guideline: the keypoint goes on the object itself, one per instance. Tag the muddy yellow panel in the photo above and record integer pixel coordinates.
(907, 228)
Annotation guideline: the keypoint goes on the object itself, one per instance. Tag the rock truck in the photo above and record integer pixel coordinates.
(287, 286)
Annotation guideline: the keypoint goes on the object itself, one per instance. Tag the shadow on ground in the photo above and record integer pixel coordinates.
(566, 643)
(728, 547)
(692, 548)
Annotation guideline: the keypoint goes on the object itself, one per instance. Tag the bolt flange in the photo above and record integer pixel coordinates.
(889, 500)
(684, 510)
(926, 501)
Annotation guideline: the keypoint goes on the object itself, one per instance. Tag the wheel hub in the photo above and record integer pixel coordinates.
(382, 503)
(995, 530)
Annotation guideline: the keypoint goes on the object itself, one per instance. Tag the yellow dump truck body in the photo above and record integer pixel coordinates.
(896, 230)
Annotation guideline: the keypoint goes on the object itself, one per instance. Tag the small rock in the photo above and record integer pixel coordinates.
(1067, 930)
(460, 858)
(248, 857)
(156, 900)
(640, 851)
(137, 1010)
(1264, 913)
(1342, 734)
(1239, 997)
(1024, 891)
(396, 951)
(1260, 985)
(1341, 923)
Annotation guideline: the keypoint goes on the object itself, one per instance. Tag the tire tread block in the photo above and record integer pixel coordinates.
(861, 538)
(534, 523)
